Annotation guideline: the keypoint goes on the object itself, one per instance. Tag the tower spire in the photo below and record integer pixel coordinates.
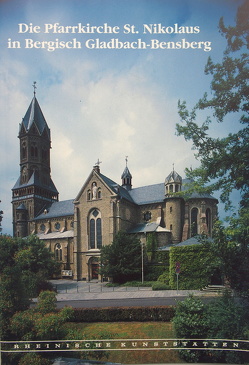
(126, 176)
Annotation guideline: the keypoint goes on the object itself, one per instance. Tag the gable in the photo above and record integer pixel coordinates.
(94, 177)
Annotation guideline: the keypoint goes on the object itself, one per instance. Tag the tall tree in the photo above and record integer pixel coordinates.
(122, 259)
(24, 265)
(224, 162)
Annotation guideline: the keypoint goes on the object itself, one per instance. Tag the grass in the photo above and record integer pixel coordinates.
(122, 330)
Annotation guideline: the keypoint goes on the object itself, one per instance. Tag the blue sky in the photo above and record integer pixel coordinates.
(105, 104)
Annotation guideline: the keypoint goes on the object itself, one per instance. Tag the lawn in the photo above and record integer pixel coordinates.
(128, 330)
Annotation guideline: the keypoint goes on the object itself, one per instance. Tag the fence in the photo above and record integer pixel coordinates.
(94, 288)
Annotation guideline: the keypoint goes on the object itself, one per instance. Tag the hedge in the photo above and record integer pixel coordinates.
(123, 314)
(197, 263)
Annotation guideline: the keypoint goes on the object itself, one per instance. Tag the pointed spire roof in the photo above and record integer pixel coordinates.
(34, 116)
(173, 177)
(126, 174)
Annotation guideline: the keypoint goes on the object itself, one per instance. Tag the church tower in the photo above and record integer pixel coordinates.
(174, 205)
(126, 177)
(34, 189)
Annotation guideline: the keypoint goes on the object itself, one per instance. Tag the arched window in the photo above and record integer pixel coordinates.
(24, 175)
(99, 193)
(42, 227)
(194, 222)
(58, 252)
(24, 150)
(208, 220)
(89, 194)
(95, 230)
(170, 209)
(57, 226)
(34, 150)
(44, 155)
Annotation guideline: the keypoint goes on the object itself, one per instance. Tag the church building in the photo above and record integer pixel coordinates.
(75, 230)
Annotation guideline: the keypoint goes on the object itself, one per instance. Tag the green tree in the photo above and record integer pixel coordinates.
(122, 259)
(24, 265)
(223, 318)
(46, 302)
(36, 262)
(224, 162)
(232, 255)
(40, 323)
(190, 321)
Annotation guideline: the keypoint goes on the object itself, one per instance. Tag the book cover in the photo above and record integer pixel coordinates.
(91, 90)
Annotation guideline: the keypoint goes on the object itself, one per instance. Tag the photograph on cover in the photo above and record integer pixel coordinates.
(124, 181)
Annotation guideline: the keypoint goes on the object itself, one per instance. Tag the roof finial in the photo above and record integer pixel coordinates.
(173, 166)
(126, 160)
(98, 162)
(35, 87)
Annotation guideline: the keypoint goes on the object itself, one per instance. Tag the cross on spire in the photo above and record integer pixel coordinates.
(98, 162)
(173, 166)
(126, 160)
(35, 87)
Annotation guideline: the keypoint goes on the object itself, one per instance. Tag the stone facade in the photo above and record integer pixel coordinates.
(76, 229)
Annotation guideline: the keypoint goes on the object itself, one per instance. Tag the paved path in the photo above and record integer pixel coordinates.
(71, 290)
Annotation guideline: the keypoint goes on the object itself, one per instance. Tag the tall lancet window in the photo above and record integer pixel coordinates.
(95, 230)
(194, 222)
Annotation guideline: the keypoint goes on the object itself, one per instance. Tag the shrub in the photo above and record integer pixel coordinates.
(160, 286)
(190, 321)
(22, 324)
(140, 314)
(138, 283)
(31, 359)
(153, 271)
(224, 318)
(228, 319)
(164, 277)
(46, 302)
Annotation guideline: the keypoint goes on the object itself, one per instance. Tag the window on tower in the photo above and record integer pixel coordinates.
(24, 150)
(44, 155)
(34, 150)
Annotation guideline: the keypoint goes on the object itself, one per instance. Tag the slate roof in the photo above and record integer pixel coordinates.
(56, 235)
(34, 180)
(21, 207)
(148, 194)
(173, 177)
(156, 193)
(196, 240)
(147, 227)
(117, 188)
(58, 209)
(35, 115)
(126, 173)
(143, 195)
(195, 195)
